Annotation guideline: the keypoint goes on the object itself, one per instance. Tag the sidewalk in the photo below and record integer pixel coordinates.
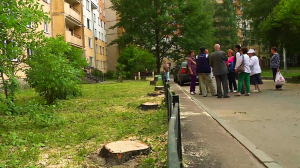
(205, 143)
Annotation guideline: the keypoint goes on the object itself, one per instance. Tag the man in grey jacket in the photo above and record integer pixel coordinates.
(217, 62)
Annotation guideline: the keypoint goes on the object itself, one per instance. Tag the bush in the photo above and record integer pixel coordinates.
(111, 75)
(295, 79)
(56, 69)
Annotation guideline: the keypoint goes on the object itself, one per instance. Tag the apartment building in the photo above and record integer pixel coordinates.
(112, 34)
(95, 34)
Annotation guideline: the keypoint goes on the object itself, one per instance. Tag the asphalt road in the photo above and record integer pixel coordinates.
(270, 119)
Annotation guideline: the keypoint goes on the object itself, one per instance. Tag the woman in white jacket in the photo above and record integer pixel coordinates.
(255, 78)
(243, 76)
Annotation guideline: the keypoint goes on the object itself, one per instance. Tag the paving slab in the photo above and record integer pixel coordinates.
(205, 143)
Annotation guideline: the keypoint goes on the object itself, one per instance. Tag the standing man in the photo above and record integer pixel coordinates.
(217, 61)
(167, 71)
(204, 71)
(192, 66)
(275, 65)
(238, 54)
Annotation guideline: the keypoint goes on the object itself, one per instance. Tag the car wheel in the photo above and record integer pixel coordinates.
(181, 83)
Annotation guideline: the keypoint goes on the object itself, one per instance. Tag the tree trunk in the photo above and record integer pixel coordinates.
(4, 85)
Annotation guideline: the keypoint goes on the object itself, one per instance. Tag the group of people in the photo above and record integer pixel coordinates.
(242, 65)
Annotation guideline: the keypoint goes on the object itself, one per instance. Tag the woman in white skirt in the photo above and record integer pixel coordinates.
(255, 78)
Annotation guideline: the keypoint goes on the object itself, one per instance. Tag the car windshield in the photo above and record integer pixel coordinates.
(183, 64)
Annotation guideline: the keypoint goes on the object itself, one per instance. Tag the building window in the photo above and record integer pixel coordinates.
(99, 35)
(103, 1)
(88, 23)
(105, 39)
(88, 5)
(99, 21)
(100, 10)
(102, 36)
(97, 64)
(96, 48)
(100, 50)
(103, 51)
(30, 25)
(90, 43)
(103, 64)
(95, 18)
(106, 52)
(104, 13)
(91, 62)
(47, 1)
(104, 26)
(46, 27)
(95, 33)
(29, 52)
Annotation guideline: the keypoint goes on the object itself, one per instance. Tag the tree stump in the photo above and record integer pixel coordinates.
(154, 94)
(119, 152)
(149, 106)
(153, 83)
(159, 88)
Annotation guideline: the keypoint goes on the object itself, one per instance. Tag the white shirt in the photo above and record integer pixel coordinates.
(254, 65)
(239, 60)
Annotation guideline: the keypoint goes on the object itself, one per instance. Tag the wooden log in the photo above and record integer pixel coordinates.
(153, 83)
(149, 106)
(154, 94)
(159, 88)
(119, 152)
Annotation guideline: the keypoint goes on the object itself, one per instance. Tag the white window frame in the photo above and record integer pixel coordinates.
(90, 42)
(88, 23)
(88, 5)
(46, 27)
(91, 61)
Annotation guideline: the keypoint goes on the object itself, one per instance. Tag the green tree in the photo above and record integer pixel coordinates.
(257, 11)
(196, 27)
(136, 60)
(225, 23)
(283, 25)
(18, 20)
(164, 27)
(56, 69)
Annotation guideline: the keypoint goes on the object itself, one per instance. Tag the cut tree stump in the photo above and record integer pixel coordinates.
(154, 94)
(119, 152)
(149, 106)
(159, 88)
(153, 83)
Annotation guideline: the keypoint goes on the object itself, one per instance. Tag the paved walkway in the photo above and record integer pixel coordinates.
(270, 120)
(205, 143)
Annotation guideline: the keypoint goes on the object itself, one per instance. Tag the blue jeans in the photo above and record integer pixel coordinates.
(168, 76)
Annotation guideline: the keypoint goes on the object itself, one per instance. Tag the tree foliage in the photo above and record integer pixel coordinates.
(18, 20)
(136, 60)
(226, 24)
(164, 27)
(56, 69)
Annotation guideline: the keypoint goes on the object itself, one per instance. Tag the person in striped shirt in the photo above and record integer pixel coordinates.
(275, 64)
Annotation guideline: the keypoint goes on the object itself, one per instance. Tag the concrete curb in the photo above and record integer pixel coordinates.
(259, 154)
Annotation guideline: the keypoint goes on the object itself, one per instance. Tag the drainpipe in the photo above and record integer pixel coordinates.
(51, 15)
(93, 20)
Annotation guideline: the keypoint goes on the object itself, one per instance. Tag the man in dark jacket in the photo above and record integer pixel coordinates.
(217, 62)
(204, 71)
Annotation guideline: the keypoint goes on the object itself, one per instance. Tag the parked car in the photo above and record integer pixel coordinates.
(181, 75)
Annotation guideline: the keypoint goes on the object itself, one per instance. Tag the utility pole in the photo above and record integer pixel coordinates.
(284, 61)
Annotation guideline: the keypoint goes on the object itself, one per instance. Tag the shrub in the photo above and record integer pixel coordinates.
(56, 69)
(111, 75)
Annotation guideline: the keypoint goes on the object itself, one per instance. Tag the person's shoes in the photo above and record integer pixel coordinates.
(195, 92)
(192, 93)
(205, 96)
(219, 97)
(234, 91)
(279, 88)
(215, 95)
(200, 93)
(238, 94)
(255, 91)
(230, 91)
(247, 94)
(226, 97)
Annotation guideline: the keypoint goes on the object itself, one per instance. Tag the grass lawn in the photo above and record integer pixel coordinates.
(68, 133)
(291, 72)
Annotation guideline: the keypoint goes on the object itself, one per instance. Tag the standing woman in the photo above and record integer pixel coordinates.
(255, 77)
(167, 70)
(192, 66)
(245, 75)
(231, 74)
(275, 64)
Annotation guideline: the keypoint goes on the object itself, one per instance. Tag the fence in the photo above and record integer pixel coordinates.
(174, 133)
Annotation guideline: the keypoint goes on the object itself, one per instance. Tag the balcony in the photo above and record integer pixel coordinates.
(72, 13)
(74, 39)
